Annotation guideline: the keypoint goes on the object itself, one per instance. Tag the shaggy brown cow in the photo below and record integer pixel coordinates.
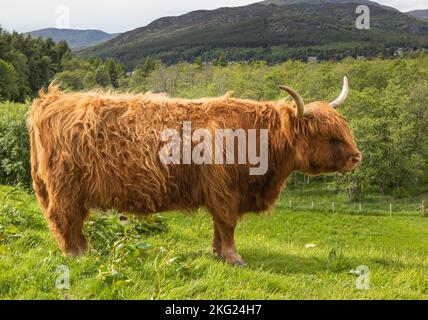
(101, 150)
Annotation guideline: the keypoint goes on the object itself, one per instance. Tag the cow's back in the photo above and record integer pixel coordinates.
(106, 146)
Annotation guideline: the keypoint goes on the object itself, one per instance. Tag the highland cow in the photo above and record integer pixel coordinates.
(101, 150)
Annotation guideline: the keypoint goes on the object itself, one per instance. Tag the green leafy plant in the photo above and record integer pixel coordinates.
(14, 145)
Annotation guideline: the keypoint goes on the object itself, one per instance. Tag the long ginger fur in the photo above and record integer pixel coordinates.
(101, 150)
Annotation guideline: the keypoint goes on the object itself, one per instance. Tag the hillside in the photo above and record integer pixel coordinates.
(321, 2)
(271, 32)
(288, 2)
(421, 14)
(76, 39)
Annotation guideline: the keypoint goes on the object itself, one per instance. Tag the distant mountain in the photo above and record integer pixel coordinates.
(76, 39)
(320, 2)
(421, 14)
(270, 32)
(288, 2)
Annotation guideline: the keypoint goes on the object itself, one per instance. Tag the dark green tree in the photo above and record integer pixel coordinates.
(8, 81)
(221, 60)
(148, 66)
(113, 71)
(102, 76)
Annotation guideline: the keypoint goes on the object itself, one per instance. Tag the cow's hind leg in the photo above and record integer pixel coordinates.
(217, 243)
(66, 221)
(229, 252)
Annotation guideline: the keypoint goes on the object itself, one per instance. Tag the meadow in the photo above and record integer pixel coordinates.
(290, 253)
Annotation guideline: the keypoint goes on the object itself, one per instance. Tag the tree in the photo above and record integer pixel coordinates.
(198, 62)
(8, 81)
(89, 80)
(113, 71)
(102, 76)
(148, 66)
(72, 80)
(20, 63)
(35, 62)
(137, 79)
(221, 60)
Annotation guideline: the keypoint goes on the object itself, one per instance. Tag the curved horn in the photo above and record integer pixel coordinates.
(343, 95)
(300, 111)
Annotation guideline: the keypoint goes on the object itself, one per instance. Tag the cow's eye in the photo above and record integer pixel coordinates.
(335, 141)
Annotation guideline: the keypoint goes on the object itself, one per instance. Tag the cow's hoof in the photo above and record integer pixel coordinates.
(72, 253)
(235, 260)
(77, 250)
(240, 264)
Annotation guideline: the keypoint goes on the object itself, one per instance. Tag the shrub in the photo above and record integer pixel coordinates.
(14, 145)
(8, 80)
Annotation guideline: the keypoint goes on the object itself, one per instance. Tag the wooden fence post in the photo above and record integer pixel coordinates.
(332, 206)
(390, 209)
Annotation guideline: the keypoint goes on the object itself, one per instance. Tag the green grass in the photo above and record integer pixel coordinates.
(172, 259)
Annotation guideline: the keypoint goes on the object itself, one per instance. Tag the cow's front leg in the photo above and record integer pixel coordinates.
(228, 247)
(217, 240)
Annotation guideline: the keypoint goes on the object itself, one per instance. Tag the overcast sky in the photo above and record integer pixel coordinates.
(119, 15)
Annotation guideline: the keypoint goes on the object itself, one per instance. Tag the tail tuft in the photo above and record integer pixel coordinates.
(46, 98)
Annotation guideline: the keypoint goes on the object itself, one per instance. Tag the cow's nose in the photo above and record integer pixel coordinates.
(355, 159)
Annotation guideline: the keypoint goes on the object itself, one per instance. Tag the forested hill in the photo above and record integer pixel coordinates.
(288, 2)
(267, 31)
(421, 14)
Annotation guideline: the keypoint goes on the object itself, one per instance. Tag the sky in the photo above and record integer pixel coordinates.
(119, 15)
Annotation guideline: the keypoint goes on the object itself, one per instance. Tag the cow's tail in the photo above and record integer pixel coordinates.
(39, 185)
(37, 153)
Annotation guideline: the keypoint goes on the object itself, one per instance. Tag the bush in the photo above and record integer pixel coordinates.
(14, 145)
(8, 81)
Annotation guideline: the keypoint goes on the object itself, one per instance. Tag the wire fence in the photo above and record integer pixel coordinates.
(367, 208)
(395, 207)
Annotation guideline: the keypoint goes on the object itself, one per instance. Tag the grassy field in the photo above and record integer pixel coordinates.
(170, 258)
